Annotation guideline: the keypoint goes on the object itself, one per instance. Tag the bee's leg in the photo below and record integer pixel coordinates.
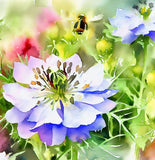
(86, 26)
(75, 25)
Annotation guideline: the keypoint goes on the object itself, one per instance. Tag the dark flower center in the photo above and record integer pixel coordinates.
(56, 85)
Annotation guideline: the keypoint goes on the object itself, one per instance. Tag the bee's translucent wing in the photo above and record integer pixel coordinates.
(67, 17)
(71, 19)
(96, 18)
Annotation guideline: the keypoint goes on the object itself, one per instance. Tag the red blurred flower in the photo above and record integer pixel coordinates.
(46, 18)
(23, 46)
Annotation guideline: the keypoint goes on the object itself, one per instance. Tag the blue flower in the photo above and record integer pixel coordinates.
(138, 21)
(60, 100)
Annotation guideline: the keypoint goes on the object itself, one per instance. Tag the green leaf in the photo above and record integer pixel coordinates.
(14, 156)
(142, 131)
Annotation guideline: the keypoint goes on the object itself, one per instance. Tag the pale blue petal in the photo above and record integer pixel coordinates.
(81, 133)
(24, 128)
(51, 134)
(79, 114)
(46, 115)
(92, 77)
(105, 106)
(15, 116)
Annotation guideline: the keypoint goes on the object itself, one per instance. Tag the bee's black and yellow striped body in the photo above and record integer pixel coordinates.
(81, 24)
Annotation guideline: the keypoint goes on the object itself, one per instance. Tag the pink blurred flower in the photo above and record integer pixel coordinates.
(4, 140)
(46, 18)
(23, 46)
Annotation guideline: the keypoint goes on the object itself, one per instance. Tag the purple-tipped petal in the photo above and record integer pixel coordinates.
(140, 30)
(51, 134)
(105, 106)
(24, 129)
(77, 135)
(104, 94)
(21, 97)
(98, 124)
(126, 35)
(45, 133)
(22, 73)
(59, 134)
(82, 132)
(15, 116)
(152, 35)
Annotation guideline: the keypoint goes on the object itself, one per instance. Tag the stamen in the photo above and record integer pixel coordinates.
(64, 65)
(33, 83)
(48, 71)
(34, 71)
(143, 10)
(43, 89)
(85, 86)
(70, 64)
(76, 83)
(72, 100)
(69, 69)
(58, 64)
(44, 76)
(38, 83)
(80, 70)
(38, 102)
(77, 68)
(151, 5)
(38, 70)
(36, 77)
(135, 7)
(42, 67)
(71, 78)
(44, 80)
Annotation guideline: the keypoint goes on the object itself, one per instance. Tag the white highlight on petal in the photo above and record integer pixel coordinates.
(52, 60)
(74, 116)
(35, 62)
(47, 115)
(93, 76)
(21, 97)
(22, 73)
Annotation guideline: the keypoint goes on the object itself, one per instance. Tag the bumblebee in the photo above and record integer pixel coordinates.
(81, 24)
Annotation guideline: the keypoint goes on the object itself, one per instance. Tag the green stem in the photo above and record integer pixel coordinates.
(142, 86)
(74, 153)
